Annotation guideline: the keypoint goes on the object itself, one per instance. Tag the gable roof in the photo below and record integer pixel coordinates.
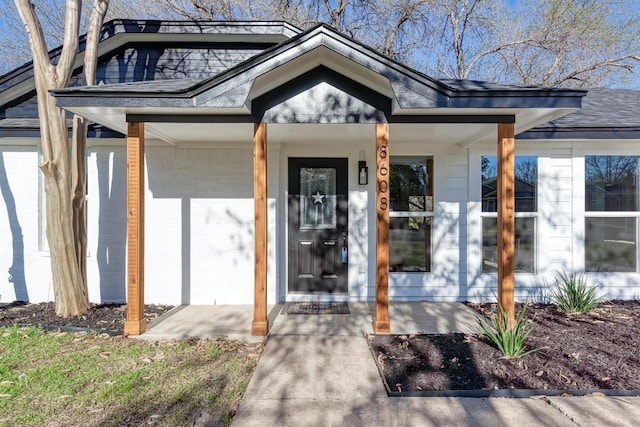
(411, 88)
(381, 88)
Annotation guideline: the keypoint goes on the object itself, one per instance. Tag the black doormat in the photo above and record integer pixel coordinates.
(316, 307)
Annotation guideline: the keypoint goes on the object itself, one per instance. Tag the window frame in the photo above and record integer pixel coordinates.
(418, 214)
(533, 214)
(607, 214)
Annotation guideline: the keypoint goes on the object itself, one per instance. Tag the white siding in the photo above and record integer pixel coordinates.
(199, 221)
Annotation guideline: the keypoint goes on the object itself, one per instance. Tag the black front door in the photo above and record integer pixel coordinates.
(318, 208)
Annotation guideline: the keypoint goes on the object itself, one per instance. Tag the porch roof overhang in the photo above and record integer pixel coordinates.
(319, 76)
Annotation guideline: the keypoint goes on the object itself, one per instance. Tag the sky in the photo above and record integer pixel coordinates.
(5, 66)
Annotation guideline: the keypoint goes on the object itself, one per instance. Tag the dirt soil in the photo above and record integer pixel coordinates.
(598, 350)
(108, 317)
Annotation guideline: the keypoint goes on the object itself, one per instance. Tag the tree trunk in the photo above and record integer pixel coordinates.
(69, 281)
(64, 167)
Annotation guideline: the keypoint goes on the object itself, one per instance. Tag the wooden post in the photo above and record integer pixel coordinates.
(260, 326)
(506, 220)
(381, 323)
(136, 322)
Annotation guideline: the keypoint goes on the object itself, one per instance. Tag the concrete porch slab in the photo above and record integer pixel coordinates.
(234, 321)
(406, 318)
(207, 321)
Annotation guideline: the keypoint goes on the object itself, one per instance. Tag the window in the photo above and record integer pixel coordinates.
(526, 206)
(612, 208)
(318, 200)
(411, 214)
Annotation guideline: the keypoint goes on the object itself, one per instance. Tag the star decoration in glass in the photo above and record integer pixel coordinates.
(318, 198)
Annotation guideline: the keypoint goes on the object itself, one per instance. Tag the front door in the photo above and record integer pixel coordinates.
(318, 241)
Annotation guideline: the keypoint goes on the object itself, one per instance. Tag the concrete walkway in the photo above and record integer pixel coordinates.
(318, 371)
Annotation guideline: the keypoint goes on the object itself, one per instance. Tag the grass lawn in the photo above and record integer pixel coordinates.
(83, 379)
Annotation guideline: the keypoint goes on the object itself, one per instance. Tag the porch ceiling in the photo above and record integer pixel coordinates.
(198, 131)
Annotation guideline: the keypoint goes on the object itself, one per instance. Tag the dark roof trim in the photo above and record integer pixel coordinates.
(240, 118)
(30, 128)
(455, 118)
(189, 118)
(581, 133)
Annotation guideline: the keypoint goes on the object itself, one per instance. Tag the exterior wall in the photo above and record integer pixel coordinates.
(559, 220)
(199, 221)
(555, 226)
(26, 269)
(618, 285)
(198, 224)
(198, 218)
(447, 279)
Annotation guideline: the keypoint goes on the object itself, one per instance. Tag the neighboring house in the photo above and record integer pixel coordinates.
(275, 163)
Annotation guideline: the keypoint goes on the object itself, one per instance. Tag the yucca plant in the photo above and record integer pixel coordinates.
(573, 294)
(508, 339)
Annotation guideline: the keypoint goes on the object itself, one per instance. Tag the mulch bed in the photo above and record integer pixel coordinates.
(598, 350)
(102, 317)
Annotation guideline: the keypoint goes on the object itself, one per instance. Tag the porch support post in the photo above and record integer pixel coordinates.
(136, 323)
(506, 220)
(381, 323)
(260, 326)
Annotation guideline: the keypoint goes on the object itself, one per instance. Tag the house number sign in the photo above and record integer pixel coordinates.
(383, 181)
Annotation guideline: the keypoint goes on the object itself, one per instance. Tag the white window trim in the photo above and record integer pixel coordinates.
(418, 214)
(535, 215)
(580, 186)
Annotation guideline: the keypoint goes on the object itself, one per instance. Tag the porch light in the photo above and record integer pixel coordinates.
(363, 173)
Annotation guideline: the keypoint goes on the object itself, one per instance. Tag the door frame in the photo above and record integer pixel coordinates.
(316, 296)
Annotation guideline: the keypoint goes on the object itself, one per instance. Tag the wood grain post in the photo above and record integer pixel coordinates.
(136, 323)
(260, 326)
(381, 324)
(506, 220)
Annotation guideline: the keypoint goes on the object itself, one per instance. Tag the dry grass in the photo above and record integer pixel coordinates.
(89, 380)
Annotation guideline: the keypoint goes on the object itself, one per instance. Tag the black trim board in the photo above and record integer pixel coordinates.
(454, 118)
(240, 118)
(580, 133)
(190, 118)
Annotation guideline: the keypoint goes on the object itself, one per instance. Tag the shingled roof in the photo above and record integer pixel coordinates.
(605, 114)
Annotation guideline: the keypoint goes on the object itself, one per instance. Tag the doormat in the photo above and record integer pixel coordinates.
(316, 307)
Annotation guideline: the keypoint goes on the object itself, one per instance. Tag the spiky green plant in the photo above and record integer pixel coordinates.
(573, 294)
(508, 339)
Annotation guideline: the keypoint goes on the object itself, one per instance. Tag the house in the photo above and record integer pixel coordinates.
(261, 163)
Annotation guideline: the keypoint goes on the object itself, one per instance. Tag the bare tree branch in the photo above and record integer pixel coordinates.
(64, 67)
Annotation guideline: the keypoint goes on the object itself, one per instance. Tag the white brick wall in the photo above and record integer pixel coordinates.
(30, 275)
(199, 221)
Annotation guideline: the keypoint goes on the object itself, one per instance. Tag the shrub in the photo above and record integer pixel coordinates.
(509, 340)
(573, 294)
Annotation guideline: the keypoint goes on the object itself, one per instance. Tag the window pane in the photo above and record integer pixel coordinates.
(525, 245)
(611, 183)
(410, 244)
(318, 198)
(411, 184)
(526, 182)
(610, 244)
